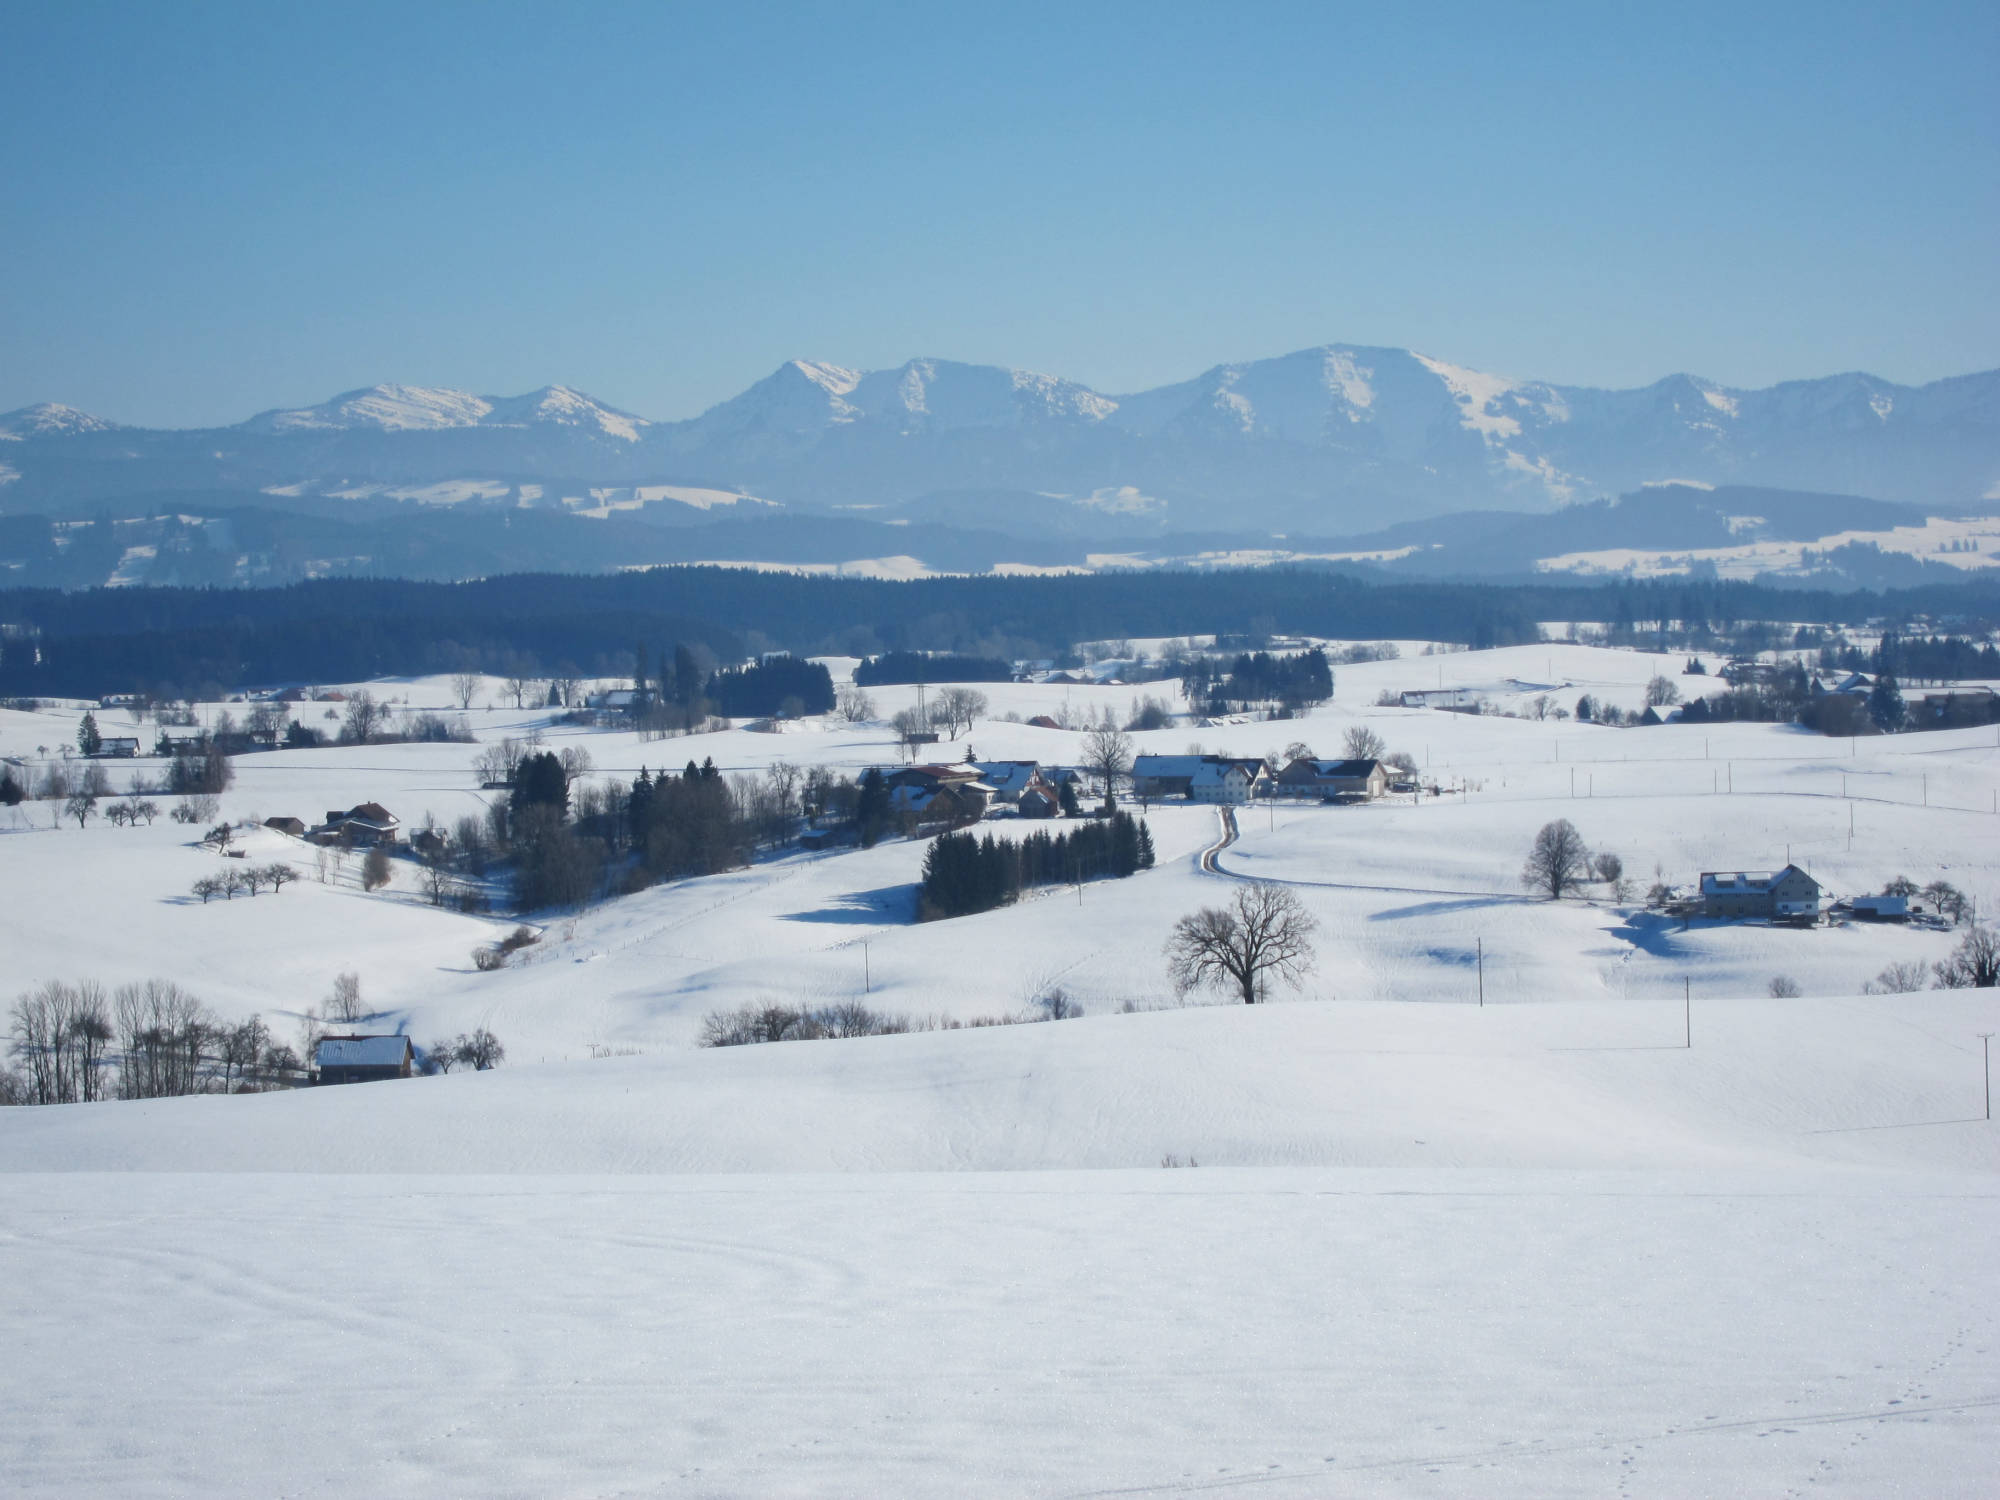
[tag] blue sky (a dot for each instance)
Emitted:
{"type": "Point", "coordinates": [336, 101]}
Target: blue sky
{"type": "Point", "coordinates": [214, 209]}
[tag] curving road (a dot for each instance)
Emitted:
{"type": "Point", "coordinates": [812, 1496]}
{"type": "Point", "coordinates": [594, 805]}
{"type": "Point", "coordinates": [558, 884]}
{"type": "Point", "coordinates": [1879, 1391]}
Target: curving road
{"type": "Point", "coordinates": [1225, 835]}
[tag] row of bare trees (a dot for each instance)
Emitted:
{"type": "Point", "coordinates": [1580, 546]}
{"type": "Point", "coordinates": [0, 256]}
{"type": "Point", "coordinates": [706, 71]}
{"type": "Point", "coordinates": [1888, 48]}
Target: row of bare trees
{"type": "Point", "coordinates": [78, 1043]}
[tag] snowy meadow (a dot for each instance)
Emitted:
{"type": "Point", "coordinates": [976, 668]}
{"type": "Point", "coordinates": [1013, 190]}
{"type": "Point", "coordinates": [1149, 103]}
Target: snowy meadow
{"type": "Point", "coordinates": [1507, 1196]}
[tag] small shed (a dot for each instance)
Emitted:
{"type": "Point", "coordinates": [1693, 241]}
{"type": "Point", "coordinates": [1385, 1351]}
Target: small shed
{"type": "Point", "coordinates": [294, 826]}
{"type": "Point", "coordinates": [362, 1059]}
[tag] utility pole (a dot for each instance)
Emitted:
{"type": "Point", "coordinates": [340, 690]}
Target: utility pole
{"type": "Point", "coordinates": [1482, 972]}
{"type": "Point", "coordinates": [1986, 1063]}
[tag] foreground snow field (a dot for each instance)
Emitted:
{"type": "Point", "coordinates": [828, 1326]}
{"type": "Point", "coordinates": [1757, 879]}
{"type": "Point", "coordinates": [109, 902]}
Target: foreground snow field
{"type": "Point", "coordinates": [1296, 1333]}
{"type": "Point", "coordinates": [1533, 1248]}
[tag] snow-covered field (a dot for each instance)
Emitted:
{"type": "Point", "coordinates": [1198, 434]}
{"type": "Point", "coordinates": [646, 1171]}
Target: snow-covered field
{"type": "Point", "coordinates": [1536, 1247]}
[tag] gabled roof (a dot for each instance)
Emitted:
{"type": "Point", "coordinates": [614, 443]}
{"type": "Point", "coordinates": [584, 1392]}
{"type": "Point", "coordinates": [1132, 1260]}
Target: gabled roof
{"type": "Point", "coordinates": [1007, 775]}
{"type": "Point", "coordinates": [1745, 882]}
{"type": "Point", "coordinates": [1174, 767]}
{"type": "Point", "coordinates": [1338, 770]}
{"type": "Point", "coordinates": [362, 1051]}
{"type": "Point", "coordinates": [371, 812]}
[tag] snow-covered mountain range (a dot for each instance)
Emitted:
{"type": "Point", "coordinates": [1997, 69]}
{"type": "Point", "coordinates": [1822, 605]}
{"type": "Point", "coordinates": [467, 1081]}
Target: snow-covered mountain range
{"type": "Point", "coordinates": [1335, 439]}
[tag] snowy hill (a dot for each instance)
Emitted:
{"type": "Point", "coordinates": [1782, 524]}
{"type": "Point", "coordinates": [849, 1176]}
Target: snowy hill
{"type": "Point", "coordinates": [1630, 1226]}
{"type": "Point", "coordinates": [409, 408]}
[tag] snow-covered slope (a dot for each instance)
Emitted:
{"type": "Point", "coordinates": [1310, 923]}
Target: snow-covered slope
{"type": "Point", "coordinates": [1413, 1244]}
{"type": "Point", "coordinates": [409, 408]}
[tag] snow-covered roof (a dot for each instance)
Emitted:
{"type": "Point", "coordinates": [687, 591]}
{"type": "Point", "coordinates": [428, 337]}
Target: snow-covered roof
{"type": "Point", "coordinates": [1744, 882]}
{"type": "Point", "coordinates": [1007, 775]}
{"type": "Point", "coordinates": [362, 1051]}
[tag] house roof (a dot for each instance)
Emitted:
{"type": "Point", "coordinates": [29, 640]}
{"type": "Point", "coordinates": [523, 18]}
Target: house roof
{"type": "Point", "coordinates": [1215, 772]}
{"type": "Point", "coordinates": [362, 1051]}
{"type": "Point", "coordinates": [1174, 767]}
{"type": "Point", "coordinates": [372, 812]}
{"type": "Point", "coordinates": [1007, 775]}
{"type": "Point", "coordinates": [1337, 770]}
{"type": "Point", "coordinates": [1746, 882]}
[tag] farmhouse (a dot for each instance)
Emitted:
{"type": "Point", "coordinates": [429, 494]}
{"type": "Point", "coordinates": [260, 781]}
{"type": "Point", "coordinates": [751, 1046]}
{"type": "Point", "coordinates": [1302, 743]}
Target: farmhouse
{"type": "Point", "coordinates": [1040, 800]}
{"type": "Point", "coordinates": [1008, 778]}
{"type": "Point", "coordinates": [953, 794]}
{"type": "Point", "coordinates": [363, 826]}
{"type": "Point", "coordinates": [120, 747]}
{"type": "Point", "coordinates": [1441, 698]}
{"type": "Point", "coordinates": [1362, 779]}
{"type": "Point", "coordinates": [1789, 892]}
{"type": "Point", "coordinates": [362, 1059]}
{"type": "Point", "coordinates": [1220, 779]}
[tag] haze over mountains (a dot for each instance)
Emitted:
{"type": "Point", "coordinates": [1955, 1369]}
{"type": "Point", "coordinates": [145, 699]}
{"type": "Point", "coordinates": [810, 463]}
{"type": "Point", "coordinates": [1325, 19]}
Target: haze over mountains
{"type": "Point", "coordinates": [1335, 441]}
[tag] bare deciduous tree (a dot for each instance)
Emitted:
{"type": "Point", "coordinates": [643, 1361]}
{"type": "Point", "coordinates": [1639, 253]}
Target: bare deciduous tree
{"type": "Point", "coordinates": [955, 709]}
{"type": "Point", "coordinates": [1108, 752]}
{"type": "Point", "coordinates": [1974, 964]}
{"type": "Point", "coordinates": [853, 704]}
{"type": "Point", "coordinates": [480, 1051]}
{"type": "Point", "coordinates": [1363, 743]}
{"type": "Point", "coordinates": [364, 718]}
{"type": "Point", "coordinates": [164, 1034]}
{"type": "Point", "coordinates": [343, 1002]}
{"type": "Point", "coordinates": [518, 687]}
{"type": "Point", "coordinates": [1264, 933]}
{"type": "Point", "coordinates": [375, 869]}
{"type": "Point", "coordinates": [1557, 860]}
{"type": "Point", "coordinates": [465, 688]}
{"type": "Point", "coordinates": [1898, 979]}
{"type": "Point", "coordinates": [1662, 692]}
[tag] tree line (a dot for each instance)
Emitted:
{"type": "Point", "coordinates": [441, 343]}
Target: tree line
{"type": "Point", "coordinates": [930, 667]}
{"type": "Point", "coordinates": [184, 640]}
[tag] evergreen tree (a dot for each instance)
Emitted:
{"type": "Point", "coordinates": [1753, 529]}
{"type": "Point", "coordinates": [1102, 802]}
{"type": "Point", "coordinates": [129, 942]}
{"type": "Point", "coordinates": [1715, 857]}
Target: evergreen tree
{"type": "Point", "coordinates": [540, 782]}
{"type": "Point", "coordinates": [1885, 704]}
{"type": "Point", "coordinates": [88, 740]}
{"type": "Point", "coordinates": [871, 807]}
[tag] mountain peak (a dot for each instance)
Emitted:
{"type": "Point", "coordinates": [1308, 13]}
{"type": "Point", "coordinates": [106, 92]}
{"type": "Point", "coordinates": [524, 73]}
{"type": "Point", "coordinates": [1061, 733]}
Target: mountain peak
{"type": "Point", "coordinates": [50, 419]}
{"type": "Point", "coordinates": [384, 408]}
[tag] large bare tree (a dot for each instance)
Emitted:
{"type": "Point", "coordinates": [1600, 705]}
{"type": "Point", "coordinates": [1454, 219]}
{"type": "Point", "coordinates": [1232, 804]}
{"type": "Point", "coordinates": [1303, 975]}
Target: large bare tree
{"type": "Point", "coordinates": [954, 709]}
{"type": "Point", "coordinates": [1557, 860]}
{"type": "Point", "coordinates": [1363, 743]}
{"type": "Point", "coordinates": [1265, 933]}
{"type": "Point", "coordinates": [1108, 752]}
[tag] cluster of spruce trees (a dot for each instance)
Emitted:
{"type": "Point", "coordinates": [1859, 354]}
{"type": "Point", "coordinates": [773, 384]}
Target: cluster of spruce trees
{"type": "Point", "coordinates": [1294, 682]}
{"type": "Point", "coordinates": [788, 685]}
{"type": "Point", "coordinates": [964, 873]}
